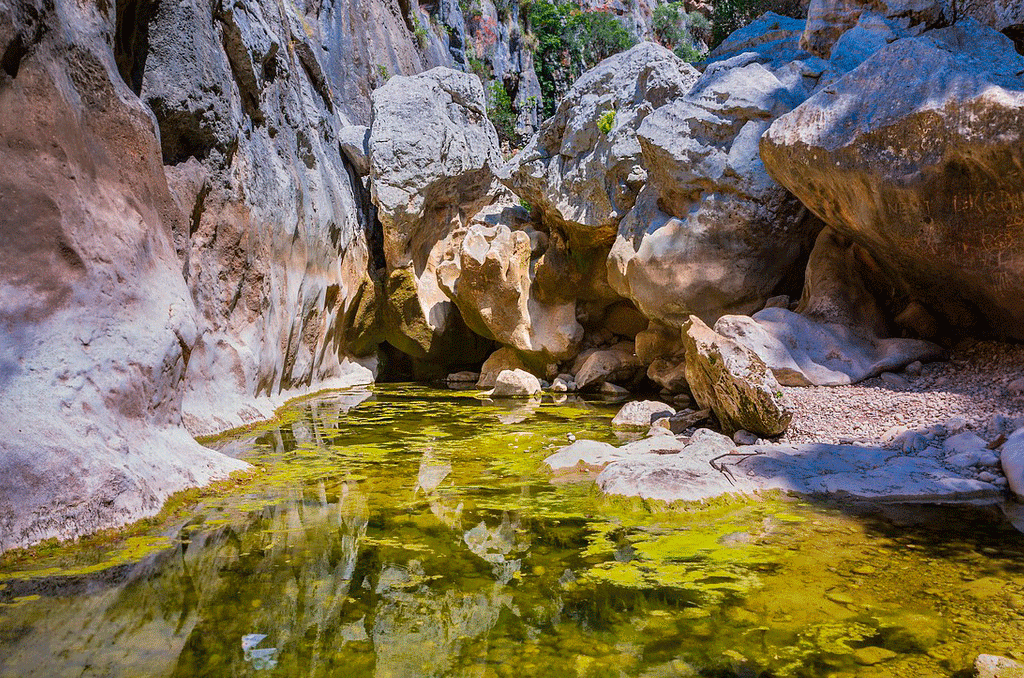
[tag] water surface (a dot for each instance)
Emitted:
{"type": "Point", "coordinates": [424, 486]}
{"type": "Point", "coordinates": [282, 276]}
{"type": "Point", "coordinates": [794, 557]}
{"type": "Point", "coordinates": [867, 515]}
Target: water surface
{"type": "Point", "coordinates": [412, 532]}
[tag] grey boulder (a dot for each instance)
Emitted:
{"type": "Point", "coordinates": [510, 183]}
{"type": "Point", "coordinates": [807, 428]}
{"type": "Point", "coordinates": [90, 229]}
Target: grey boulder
{"type": "Point", "coordinates": [734, 382]}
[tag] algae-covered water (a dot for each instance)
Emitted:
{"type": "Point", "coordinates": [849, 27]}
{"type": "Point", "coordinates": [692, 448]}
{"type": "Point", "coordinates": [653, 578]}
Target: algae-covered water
{"type": "Point", "coordinates": [413, 532]}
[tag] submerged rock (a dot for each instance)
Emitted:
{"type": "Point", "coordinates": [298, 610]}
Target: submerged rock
{"type": "Point", "coordinates": [994, 666]}
{"type": "Point", "coordinates": [735, 383]}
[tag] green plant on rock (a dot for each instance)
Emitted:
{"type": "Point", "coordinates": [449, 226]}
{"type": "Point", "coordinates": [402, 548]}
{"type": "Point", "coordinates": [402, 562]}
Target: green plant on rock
{"type": "Point", "coordinates": [606, 122]}
{"type": "Point", "coordinates": [420, 31]}
{"type": "Point", "coordinates": [501, 112]}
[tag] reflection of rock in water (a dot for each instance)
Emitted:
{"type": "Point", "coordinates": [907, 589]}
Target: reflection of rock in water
{"type": "Point", "coordinates": [417, 633]}
{"type": "Point", "coordinates": [497, 545]}
{"type": "Point", "coordinates": [516, 411]}
{"type": "Point", "coordinates": [432, 473]}
{"type": "Point", "coordinates": [282, 572]}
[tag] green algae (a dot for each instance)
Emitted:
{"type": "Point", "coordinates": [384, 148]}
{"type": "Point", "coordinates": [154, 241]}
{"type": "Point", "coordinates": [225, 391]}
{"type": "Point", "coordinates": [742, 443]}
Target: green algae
{"type": "Point", "coordinates": [418, 535]}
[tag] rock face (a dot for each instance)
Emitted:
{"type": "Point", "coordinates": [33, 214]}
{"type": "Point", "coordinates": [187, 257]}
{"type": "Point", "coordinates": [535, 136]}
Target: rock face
{"type": "Point", "coordinates": [732, 381]}
{"type": "Point", "coordinates": [712, 233]}
{"type": "Point", "coordinates": [190, 234]}
{"type": "Point", "coordinates": [828, 20]}
{"type": "Point", "coordinates": [488, 272]}
{"type": "Point", "coordinates": [581, 179]}
{"type": "Point", "coordinates": [96, 322]}
{"type": "Point", "coordinates": [274, 239]}
{"type": "Point", "coordinates": [426, 179]}
{"type": "Point", "coordinates": [922, 171]}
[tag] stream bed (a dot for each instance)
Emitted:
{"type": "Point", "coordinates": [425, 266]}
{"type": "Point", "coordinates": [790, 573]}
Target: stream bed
{"type": "Point", "coordinates": [405, 532]}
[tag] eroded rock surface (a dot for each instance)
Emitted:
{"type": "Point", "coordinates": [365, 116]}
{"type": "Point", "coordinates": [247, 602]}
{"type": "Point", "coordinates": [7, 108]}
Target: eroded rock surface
{"type": "Point", "coordinates": [734, 382]}
{"type": "Point", "coordinates": [488, 271]}
{"type": "Point", "coordinates": [711, 233]}
{"type": "Point", "coordinates": [96, 321]}
{"type": "Point", "coordinates": [427, 178]}
{"type": "Point", "coordinates": [922, 171]}
{"type": "Point", "coordinates": [582, 179]}
{"type": "Point", "coordinates": [803, 352]}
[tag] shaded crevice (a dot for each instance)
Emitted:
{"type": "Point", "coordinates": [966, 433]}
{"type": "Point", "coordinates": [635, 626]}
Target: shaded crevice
{"type": "Point", "coordinates": [366, 213]}
{"type": "Point", "coordinates": [197, 209]}
{"type": "Point", "coordinates": [315, 74]}
{"type": "Point", "coordinates": [131, 40]}
{"type": "Point", "coordinates": [13, 55]}
{"type": "Point", "coordinates": [241, 66]}
{"type": "Point", "coordinates": [1015, 33]}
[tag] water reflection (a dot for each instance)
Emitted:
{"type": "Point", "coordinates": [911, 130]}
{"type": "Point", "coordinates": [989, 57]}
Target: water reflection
{"type": "Point", "coordinates": [413, 535]}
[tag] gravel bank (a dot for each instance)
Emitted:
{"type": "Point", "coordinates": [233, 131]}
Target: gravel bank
{"type": "Point", "coordinates": [980, 382]}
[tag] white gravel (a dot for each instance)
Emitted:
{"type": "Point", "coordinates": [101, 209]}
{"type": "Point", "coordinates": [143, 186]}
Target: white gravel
{"type": "Point", "coordinates": [974, 384]}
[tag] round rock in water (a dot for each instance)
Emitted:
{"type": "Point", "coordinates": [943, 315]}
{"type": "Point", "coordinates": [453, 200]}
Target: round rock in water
{"type": "Point", "coordinates": [640, 414]}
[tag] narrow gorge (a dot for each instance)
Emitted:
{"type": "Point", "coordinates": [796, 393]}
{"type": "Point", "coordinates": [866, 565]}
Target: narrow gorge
{"type": "Point", "coordinates": [619, 309]}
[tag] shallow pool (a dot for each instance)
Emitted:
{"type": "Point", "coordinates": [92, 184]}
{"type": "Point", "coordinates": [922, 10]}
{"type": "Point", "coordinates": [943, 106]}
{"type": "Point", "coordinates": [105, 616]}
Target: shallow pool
{"type": "Point", "coordinates": [413, 532]}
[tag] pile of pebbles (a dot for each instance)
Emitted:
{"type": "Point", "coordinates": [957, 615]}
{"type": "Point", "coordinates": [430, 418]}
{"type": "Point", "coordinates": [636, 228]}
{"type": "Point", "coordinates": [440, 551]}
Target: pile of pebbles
{"type": "Point", "coordinates": [980, 389]}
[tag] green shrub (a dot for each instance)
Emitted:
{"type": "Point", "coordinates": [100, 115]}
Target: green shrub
{"type": "Point", "coordinates": [731, 15]}
{"type": "Point", "coordinates": [420, 31]}
{"type": "Point", "coordinates": [501, 112]}
{"type": "Point", "coordinates": [570, 41]}
{"type": "Point", "coordinates": [606, 122]}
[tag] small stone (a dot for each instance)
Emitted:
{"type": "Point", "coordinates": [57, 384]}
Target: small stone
{"type": "Point", "coordinates": [910, 442]}
{"type": "Point", "coordinates": [742, 437]}
{"type": "Point", "coordinates": [1016, 387]}
{"type": "Point", "coordinates": [914, 368]}
{"type": "Point", "coordinates": [462, 377]}
{"type": "Point", "coordinates": [780, 301]}
{"type": "Point", "coordinates": [895, 381]}
{"type": "Point", "coordinates": [994, 666]}
{"type": "Point", "coordinates": [871, 655]}
{"type": "Point", "coordinates": [515, 384]}
{"type": "Point", "coordinates": [955, 425]}
{"type": "Point", "coordinates": [608, 388]}
{"type": "Point", "coordinates": [559, 385]}
{"type": "Point", "coordinates": [986, 477]}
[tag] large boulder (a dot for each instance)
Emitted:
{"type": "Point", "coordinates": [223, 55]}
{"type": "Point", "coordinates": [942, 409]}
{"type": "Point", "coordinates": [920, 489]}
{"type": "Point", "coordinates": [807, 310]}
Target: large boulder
{"type": "Point", "coordinates": [427, 179]}
{"type": "Point", "coordinates": [583, 179]}
{"type": "Point", "coordinates": [515, 384]}
{"type": "Point", "coordinates": [488, 271]}
{"type": "Point", "coordinates": [1012, 460]}
{"type": "Point", "coordinates": [617, 364]}
{"type": "Point", "coordinates": [923, 171]}
{"type": "Point", "coordinates": [829, 20]}
{"type": "Point", "coordinates": [640, 414]}
{"type": "Point", "coordinates": [804, 352]}
{"type": "Point", "coordinates": [731, 380]}
{"type": "Point", "coordinates": [712, 233]}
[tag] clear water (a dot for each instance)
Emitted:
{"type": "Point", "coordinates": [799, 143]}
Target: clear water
{"type": "Point", "coordinates": [416, 534]}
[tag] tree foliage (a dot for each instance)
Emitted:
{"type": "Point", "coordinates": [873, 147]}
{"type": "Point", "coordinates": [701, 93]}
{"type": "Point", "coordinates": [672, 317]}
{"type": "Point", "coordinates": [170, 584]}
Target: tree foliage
{"type": "Point", "coordinates": [570, 41]}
